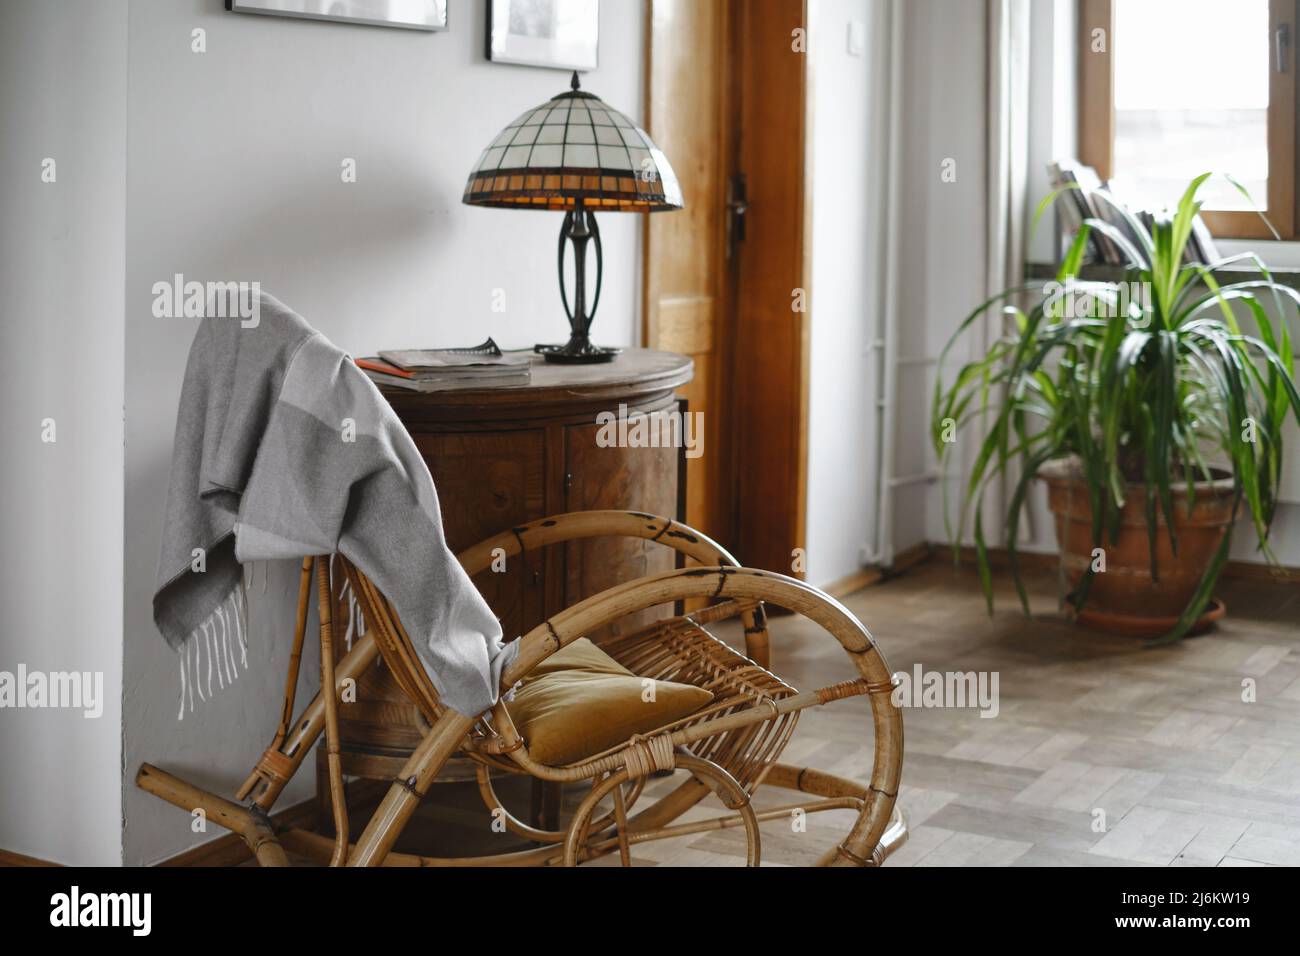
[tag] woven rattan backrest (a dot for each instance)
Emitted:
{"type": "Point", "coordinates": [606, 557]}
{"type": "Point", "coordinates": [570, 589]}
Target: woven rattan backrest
{"type": "Point", "coordinates": [393, 642]}
{"type": "Point", "coordinates": [395, 645]}
{"type": "Point", "coordinates": [680, 649]}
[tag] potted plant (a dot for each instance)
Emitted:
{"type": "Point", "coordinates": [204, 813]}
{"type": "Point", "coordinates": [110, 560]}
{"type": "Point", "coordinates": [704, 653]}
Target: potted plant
{"type": "Point", "coordinates": [1153, 417]}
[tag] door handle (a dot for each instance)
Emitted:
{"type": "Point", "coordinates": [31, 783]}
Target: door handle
{"type": "Point", "coordinates": [1281, 45]}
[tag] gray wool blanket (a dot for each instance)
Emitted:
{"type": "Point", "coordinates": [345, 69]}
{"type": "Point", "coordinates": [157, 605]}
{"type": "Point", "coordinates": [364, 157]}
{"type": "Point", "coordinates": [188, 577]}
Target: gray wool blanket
{"type": "Point", "coordinates": [285, 449]}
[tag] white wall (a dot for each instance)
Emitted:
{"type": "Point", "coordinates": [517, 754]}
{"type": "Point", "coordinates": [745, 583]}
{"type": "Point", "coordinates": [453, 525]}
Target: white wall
{"type": "Point", "coordinates": [62, 96]}
{"type": "Point", "coordinates": [848, 115]}
{"type": "Point", "coordinates": [234, 173]}
{"type": "Point", "coordinates": [940, 248]}
{"type": "Point", "coordinates": [943, 231]}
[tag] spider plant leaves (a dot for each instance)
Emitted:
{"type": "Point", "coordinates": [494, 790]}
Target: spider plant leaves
{"type": "Point", "coordinates": [1073, 259]}
{"type": "Point", "coordinates": [1028, 472]}
{"type": "Point", "coordinates": [982, 561]}
{"type": "Point", "coordinates": [1184, 216]}
{"type": "Point", "coordinates": [1164, 428]}
{"type": "Point", "coordinates": [1114, 235]}
{"type": "Point", "coordinates": [1079, 596]}
{"type": "Point", "coordinates": [943, 409]}
{"type": "Point", "coordinates": [1254, 206]}
{"type": "Point", "coordinates": [1150, 390]}
{"type": "Point", "coordinates": [1204, 589]}
{"type": "Point", "coordinates": [1047, 201]}
{"type": "Point", "coordinates": [1121, 352]}
{"type": "Point", "coordinates": [1130, 220]}
{"type": "Point", "coordinates": [1223, 296]}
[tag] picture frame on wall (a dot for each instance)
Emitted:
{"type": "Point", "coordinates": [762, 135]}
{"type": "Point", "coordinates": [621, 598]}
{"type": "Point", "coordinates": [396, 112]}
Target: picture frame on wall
{"type": "Point", "coordinates": [555, 34]}
{"type": "Point", "coordinates": [428, 15]}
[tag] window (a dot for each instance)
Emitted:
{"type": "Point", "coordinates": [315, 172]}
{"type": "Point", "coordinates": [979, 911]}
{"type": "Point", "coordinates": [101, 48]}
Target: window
{"type": "Point", "coordinates": [1169, 89]}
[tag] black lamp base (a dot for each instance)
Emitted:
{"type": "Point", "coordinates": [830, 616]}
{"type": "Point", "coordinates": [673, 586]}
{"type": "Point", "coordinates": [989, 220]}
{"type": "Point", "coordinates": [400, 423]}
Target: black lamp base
{"type": "Point", "coordinates": [579, 227]}
{"type": "Point", "coordinates": [577, 351]}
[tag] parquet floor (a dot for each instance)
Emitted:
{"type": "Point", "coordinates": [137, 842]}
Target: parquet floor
{"type": "Point", "coordinates": [1102, 753]}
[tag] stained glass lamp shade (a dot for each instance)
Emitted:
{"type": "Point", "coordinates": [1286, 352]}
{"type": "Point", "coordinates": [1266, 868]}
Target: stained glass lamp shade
{"type": "Point", "coordinates": [578, 155]}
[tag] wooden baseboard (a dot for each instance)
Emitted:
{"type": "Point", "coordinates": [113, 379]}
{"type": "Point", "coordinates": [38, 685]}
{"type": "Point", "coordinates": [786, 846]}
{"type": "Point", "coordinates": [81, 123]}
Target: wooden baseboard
{"type": "Point", "coordinates": [1030, 561]}
{"type": "Point", "coordinates": [230, 850]}
{"type": "Point", "coordinates": [9, 858]}
{"type": "Point", "coordinates": [1249, 571]}
{"type": "Point", "coordinates": [865, 577]}
{"type": "Point", "coordinates": [1000, 560]}
{"type": "Point", "coordinates": [911, 557]}
{"type": "Point", "coordinates": [862, 578]}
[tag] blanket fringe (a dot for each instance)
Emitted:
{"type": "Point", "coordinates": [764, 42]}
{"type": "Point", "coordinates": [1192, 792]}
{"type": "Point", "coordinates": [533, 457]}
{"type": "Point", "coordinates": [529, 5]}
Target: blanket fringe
{"type": "Point", "coordinates": [356, 628]}
{"type": "Point", "coordinates": [225, 650]}
{"type": "Point", "coordinates": [207, 648]}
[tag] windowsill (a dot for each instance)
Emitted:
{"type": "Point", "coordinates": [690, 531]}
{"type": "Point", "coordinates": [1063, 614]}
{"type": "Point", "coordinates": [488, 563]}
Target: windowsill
{"type": "Point", "coordinates": [1278, 256]}
{"type": "Point", "coordinates": [1282, 259]}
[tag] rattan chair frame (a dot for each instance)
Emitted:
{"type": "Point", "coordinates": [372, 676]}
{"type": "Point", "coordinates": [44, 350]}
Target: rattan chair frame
{"type": "Point", "coordinates": [731, 747]}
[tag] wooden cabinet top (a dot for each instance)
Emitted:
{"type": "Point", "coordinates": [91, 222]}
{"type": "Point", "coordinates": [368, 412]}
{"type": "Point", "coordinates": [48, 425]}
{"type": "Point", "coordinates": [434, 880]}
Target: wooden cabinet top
{"type": "Point", "coordinates": [634, 376]}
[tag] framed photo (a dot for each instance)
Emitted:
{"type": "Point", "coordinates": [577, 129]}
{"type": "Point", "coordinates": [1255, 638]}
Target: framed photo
{"type": "Point", "coordinates": [407, 14]}
{"type": "Point", "coordinates": [559, 34]}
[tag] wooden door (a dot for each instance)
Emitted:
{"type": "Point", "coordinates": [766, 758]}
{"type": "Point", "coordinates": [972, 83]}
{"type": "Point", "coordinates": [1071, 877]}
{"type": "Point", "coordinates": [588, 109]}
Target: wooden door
{"type": "Point", "coordinates": [685, 258]}
{"type": "Point", "coordinates": [772, 295]}
{"type": "Point", "coordinates": [726, 95]}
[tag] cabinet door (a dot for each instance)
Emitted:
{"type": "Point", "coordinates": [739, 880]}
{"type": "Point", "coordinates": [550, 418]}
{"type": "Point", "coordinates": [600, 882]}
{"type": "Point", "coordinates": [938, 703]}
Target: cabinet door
{"type": "Point", "coordinates": [625, 479]}
{"type": "Point", "coordinates": [489, 482]}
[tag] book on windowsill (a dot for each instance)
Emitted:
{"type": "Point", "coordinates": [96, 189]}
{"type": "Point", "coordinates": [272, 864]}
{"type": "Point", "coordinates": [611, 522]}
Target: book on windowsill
{"type": "Point", "coordinates": [1082, 202]}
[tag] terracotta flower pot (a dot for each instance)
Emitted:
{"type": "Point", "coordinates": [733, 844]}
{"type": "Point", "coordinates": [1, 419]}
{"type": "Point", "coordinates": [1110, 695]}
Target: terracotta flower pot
{"type": "Point", "coordinates": [1125, 598]}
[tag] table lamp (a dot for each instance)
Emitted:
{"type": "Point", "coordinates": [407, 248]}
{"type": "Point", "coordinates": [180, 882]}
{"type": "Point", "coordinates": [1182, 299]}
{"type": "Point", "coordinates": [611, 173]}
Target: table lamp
{"type": "Point", "coordinates": [576, 154]}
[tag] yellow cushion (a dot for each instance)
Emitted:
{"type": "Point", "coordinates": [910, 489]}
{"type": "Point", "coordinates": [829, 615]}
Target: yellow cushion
{"type": "Point", "coordinates": [580, 701]}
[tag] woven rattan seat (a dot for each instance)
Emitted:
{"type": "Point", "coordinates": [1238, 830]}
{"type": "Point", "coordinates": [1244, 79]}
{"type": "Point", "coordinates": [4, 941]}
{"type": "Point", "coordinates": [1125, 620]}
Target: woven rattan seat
{"type": "Point", "coordinates": [580, 702]}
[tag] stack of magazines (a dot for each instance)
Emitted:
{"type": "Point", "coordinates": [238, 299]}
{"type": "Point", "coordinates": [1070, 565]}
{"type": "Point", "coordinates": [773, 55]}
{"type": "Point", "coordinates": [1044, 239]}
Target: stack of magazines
{"type": "Point", "coordinates": [1085, 197]}
{"type": "Point", "coordinates": [434, 370]}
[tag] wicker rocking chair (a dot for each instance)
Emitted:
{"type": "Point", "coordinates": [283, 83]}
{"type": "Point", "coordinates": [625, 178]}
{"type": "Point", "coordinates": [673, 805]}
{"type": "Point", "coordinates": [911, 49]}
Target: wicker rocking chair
{"type": "Point", "coordinates": [730, 745]}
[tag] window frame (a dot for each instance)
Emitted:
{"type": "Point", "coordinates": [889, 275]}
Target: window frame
{"type": "Point", "coordinates": [1096, 130]}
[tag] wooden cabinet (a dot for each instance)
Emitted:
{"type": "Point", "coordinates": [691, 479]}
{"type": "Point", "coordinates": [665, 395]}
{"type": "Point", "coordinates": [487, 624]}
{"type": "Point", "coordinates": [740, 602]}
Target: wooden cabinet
{"type": "Point", "coordinates": [487, 482]}
{"type": "Point", "coordinates": [505, 456]}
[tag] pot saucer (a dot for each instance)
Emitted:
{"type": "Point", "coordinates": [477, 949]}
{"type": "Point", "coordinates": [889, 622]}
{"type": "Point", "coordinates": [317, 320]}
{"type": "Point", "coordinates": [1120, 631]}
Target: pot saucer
{"type": "Point", "coordinates": [1133, 625]}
